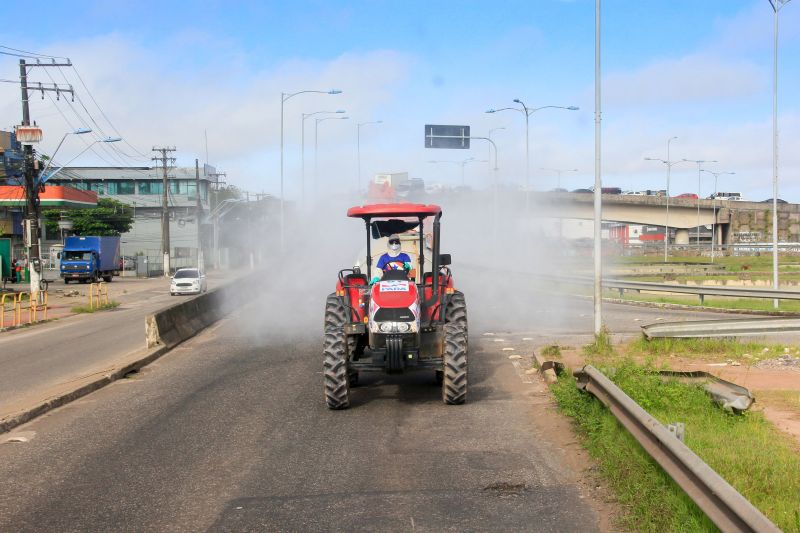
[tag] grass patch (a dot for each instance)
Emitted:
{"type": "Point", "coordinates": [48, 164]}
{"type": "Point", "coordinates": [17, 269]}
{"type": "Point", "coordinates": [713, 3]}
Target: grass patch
{"type": "Point", "coordinates": [601, 345]}
{"type": "Point", "coordinates": [731, 264]}
{"type": "Point", "coordinates": [103, 307]}
{"type": "Point", "coordinates": [729, 348]}
{"type": "Point", "coordinates": [718, 302]}
{"type": "Point", "coordinates": [746, 450]}
{"type": "Point", "coordinates": [553, 350]}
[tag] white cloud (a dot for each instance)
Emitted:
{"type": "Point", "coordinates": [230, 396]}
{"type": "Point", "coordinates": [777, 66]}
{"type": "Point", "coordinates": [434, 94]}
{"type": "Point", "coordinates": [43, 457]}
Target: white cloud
{"type": "Point", "coordinates": [694, 79]}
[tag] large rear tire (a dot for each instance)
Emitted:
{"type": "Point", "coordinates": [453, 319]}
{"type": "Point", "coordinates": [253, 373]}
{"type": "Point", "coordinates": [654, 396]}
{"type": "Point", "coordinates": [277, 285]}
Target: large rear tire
{"type": "Point", "coordinates": [454, 359]}
{"type": "Point", "coordinates": [456, 312]}
{"type": "Point", "coordinates": [337, 380]}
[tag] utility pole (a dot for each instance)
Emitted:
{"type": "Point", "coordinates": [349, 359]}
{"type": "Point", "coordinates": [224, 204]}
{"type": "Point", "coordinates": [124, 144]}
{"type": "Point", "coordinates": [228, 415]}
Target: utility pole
{"type": "Point", "coordinates": [199, 216]}
{"type": "Point", "coordinates": [32, 185]}
{"type": "Point", "coordinates": [164, 159]}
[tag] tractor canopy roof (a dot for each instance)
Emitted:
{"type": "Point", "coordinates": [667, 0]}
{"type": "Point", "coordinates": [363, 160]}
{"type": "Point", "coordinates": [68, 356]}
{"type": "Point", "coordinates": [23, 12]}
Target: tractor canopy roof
{"type": "Point", "coordinates": [394, 210]}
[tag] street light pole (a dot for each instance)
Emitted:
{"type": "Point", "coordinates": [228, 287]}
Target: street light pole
{"type": "Point", "coordinates": [284, 97]}
{"type": "Point", "coordinates": [598, 183]}
{"type": "Point", "coordinates": [714, 209]}
{"type": "Point", "coordinates": [316, 146]}
{"type": "Point", "coordinates": [358, 149]}
{"type": "Point", "coordinates": [669, 165]}
{"type": "Point", "coordinates": [776, 7]}
{"type": "Point", "coordinates": [528, 111]}
{"type": "Point", "coordinates": [303, 149]}
{"type": "Point", "coordinates": [699, 170]}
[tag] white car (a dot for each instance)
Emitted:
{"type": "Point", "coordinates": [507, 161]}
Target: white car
{"type": "Point", "coordinates": [188, 281]}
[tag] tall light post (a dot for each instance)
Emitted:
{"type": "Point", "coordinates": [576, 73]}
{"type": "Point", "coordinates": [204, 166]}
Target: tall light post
{"type": "Point", "coordinates": [303, 149]}
{"type": "Point", "coordinates": [79, 131]}
{"type": "Point", "coordinates": [699, 170]}
{"type": "Point", "coordinates": [284, 97]}
{"type": "Point", "coordinates": [528, 111]}
{"type": "Point", "coordinates": [669, 165]}
{"type": "Point", "coordinates": [316, 146]}
{"type": "Point", "coordinates": [559, 172]}
{"type": "Point", "coordinates": [358, 148]}
{"type": "Point", "coordinates": [462, 164]}
{"type": "Point", "coordinates": [776, 7]}
{"type": "Point", "coordinates": [44, 178]}
{"type": "Point", "coordinates": [489, 135]}
{"type": "Point", "coordinates": [598, 182]}
{"type": "Point", "coordinates": [714, 208]}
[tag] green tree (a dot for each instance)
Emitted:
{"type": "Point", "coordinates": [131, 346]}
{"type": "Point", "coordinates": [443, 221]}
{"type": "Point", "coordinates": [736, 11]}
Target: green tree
{"type": "Point", "coordinates": [109, 218]}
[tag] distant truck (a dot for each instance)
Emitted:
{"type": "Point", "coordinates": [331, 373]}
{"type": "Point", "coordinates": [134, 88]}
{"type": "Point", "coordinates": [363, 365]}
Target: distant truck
{"type": "Point", "coordinates": [384, 187]}
{"type": "Point", "coordinates": [89, 259]}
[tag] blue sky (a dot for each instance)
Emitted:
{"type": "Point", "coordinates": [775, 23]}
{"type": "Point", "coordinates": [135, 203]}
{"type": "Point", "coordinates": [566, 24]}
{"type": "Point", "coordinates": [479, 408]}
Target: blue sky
{"type": "Point", "coordinates": [164, 73]}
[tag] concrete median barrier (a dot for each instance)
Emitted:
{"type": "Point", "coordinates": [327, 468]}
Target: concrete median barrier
{"type": "Point", "coordinates": [173, 325]}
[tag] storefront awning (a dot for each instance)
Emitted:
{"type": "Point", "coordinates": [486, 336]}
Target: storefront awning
{"type": "Point", "coordinates": [53, 196]}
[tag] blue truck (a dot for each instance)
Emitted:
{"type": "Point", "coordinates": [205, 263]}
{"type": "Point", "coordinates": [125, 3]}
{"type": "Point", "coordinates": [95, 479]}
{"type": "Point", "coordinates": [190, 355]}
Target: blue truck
{"type": "Point", "coordinates": [89, 259]}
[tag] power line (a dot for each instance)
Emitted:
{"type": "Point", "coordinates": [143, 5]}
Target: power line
{"type": "Point", "coordinates": [30, 54]}
{"type": "Point", "coordinates": [74, 69]}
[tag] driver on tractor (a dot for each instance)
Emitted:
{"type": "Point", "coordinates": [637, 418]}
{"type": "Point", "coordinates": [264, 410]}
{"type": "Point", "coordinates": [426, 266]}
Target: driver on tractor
{"type": "Point", "coordinates": [394, 259]}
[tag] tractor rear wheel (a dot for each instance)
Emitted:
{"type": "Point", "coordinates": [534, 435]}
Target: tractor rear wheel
{"type": "Point", "coordinates": [456, 312]}
{"type": "Point", "coordinates": [337, 380]}
{"type": "Point", "coordinates": [454, 360]}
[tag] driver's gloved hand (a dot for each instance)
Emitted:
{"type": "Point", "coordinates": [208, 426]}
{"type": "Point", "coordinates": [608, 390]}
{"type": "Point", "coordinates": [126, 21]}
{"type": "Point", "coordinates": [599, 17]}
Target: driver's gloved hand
{"type": "Point", "coordinates": [374, 280]}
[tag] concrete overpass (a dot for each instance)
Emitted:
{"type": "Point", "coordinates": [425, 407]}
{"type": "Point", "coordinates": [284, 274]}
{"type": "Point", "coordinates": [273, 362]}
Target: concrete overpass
{"type": "Point", "coordinates": [736, 221]}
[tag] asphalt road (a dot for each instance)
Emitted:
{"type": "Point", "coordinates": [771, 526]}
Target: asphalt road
{"type": "Point", "coordinates": [229, 432]}
{"type": "Point", "coordinates": [35, 361]}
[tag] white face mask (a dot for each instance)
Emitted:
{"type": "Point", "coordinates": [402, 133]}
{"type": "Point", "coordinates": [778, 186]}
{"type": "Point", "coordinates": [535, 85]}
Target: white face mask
{"type": "Point", "coordinates": [394, 248]}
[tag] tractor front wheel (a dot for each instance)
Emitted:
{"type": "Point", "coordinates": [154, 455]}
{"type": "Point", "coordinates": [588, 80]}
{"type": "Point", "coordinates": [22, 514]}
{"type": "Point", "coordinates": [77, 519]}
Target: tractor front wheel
{"type": "Point", "coordinates": [337, 380]}
{"type": "Point", "coordinates": [454, 359]}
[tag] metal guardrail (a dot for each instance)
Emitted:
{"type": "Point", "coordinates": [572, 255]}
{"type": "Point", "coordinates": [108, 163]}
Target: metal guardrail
{"type": "Point", "coordinates": [722, 328]}
{"type": "Point", "coordinates": [735, 292]}
{"type": "Point", "coordinates": [728, 509]}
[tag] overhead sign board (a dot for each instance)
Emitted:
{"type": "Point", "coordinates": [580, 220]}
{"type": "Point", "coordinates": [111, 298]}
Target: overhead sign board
{"type": "Point", "coordinates": [440, 136]}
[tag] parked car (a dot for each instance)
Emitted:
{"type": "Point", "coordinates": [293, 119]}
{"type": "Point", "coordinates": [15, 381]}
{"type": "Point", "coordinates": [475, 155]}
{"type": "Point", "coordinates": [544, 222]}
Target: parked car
{"type": "Point", "coordinates": [583, 191]}
{"type": "Point", "coordinates": [769, 201]}
{"type": "Point", "coordinates": [690, 195]}
{"type": "Point", "coordinates": [188, 281]}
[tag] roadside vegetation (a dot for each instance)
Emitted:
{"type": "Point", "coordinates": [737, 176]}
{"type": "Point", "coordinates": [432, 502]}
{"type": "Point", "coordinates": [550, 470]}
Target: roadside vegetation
{"type": "Point", "coordinates": [601, 345]}
{"type": "Point", "coordinates": [102, 307]}
{"type": "Point", "coordinates": [552, 351]}
{"type": "Point", "coordinates": [751, 304]}
{"type": "Point", "coordinates": [751, 263]}
{"type": "Point", "coordinates": [747, 450]}
{"type": "Point", "coordinates": [704, 348]}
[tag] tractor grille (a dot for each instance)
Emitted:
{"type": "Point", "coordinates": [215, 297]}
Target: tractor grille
{"type": "Point", "coordinates": [397, 314]}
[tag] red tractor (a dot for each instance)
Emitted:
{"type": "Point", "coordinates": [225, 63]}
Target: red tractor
{"type": "Point", "coordinates": [407, 320]}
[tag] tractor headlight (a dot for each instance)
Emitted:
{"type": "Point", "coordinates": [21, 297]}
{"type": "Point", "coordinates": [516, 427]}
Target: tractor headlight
{"type": "Point", "coordinates": [394, 327]}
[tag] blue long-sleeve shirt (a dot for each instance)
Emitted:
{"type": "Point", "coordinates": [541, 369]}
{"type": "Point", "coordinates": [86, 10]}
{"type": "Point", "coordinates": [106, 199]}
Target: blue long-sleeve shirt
{"type": "Point", "coordinates": [387, 262]}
